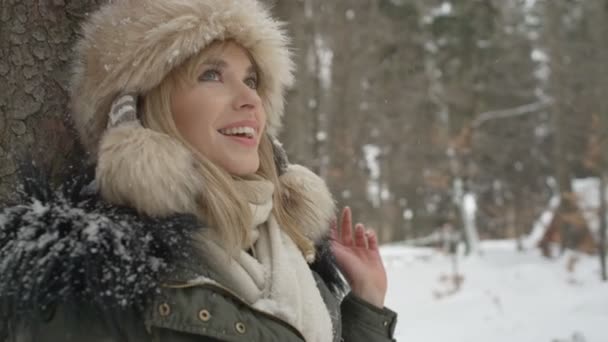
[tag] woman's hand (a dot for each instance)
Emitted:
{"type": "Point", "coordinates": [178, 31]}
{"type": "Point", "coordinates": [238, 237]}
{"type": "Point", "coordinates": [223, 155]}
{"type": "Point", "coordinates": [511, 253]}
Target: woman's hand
{"type": "Point", "coordinates": [359, 259]}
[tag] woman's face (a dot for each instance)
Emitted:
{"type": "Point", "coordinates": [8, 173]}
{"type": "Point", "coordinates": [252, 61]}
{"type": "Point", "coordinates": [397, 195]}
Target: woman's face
{"type": "Point", "coordinates": [221, 114]}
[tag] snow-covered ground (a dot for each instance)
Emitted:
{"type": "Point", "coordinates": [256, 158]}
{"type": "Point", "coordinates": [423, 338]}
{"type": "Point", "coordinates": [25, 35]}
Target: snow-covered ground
{"type": "Point", "coordinates": [505, 296]}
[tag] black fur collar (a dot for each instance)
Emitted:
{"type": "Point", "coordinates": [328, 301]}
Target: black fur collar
{"type": "Point", "coordinates": [67, 244]}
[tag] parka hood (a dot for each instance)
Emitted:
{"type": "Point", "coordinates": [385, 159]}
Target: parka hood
{"type": "Point", "coordinates": [67, 244]}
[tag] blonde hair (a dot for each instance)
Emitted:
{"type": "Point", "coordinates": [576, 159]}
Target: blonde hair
{"type": "Point", "coordinates": [223, 207]}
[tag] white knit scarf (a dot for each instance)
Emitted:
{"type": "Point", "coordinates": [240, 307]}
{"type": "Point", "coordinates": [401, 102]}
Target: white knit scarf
{"type": "Point", "coordinates": [276, 279]}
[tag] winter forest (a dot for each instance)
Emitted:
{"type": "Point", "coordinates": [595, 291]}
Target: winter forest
{"type": "Point", "coordinates": [471, 134]}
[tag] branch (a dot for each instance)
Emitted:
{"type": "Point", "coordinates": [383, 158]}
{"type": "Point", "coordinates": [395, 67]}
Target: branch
{"type": "Point", "coordinates": [511, 112]}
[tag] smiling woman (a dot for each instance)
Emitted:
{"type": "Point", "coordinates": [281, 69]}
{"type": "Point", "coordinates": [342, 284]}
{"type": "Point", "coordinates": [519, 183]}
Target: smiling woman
{"type": "Point", "coordinates": [217, 108]}
{"type": "Point", "coordinates": [194, 226]}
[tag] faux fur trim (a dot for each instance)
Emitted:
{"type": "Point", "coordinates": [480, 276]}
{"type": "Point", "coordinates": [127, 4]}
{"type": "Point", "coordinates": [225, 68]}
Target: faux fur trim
{"type": "Point", "coordinates": [313, 189]}
{"type": "Point", "coordinates": [147, 170]}
{"type": "Point", "coordinates": [69, 246]}
{"type": "Point", "coordinates": [129, 46]}
{"type": "Point", "coordinates": [156, 175]}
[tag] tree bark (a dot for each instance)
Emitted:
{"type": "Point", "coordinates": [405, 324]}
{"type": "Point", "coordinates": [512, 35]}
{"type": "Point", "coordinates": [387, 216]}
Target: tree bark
{"type": "Point", "coordinates": [36, 41]}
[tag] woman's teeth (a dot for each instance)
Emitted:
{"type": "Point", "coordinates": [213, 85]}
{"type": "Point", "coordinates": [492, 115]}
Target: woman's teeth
{"type": "Point", "coordinates": [249, 132]}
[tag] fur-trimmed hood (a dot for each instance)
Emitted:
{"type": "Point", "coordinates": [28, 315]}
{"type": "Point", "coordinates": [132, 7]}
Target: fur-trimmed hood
{"type": "Point", "coordinates": [68, 245]}
{"type": "Point", "coordinates": [129, 46]}
{"type": "Point", "coordinates": [159, 176]}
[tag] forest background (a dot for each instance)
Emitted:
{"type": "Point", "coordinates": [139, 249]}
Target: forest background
{"type": "Point", "coordinates": [420, 114]}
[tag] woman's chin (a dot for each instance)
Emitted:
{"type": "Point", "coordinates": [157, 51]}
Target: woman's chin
{"type": "Point", "coordinates": [242, 166]}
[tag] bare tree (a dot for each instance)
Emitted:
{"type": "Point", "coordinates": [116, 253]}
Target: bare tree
{"type": "Point", "coordinates": [598, 26]}
{"type": "Point", "coordinates": [304, 135]}
{"type": "Point", "coordinates": [574, 66]}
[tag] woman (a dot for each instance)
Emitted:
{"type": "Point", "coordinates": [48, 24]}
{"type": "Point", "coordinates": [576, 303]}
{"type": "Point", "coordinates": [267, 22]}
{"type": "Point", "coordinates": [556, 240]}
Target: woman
{"type": "Point", "coordinates": [194, 227]}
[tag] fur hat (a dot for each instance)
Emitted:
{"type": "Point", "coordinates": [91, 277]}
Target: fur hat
{"type": "Point", "coordinates": [129, 46]}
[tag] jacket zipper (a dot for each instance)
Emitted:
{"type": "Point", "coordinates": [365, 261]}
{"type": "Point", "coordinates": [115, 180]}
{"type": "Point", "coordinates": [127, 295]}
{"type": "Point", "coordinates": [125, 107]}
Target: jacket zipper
{"type": "Point", "coordinates": [237, 297]}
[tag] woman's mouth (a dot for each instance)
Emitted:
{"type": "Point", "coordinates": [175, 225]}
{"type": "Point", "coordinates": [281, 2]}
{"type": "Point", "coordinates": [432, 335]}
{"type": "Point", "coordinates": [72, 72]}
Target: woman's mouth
{"type": "Point", "coordinates": [246, 132]}
{"type": "Point", "coordinates": [242, 135]}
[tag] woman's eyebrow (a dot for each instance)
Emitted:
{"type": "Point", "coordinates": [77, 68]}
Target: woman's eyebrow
{"type": "Point", "coordinates": [218, 63]}
{"type": "Point", "coordinates": [222, 64]}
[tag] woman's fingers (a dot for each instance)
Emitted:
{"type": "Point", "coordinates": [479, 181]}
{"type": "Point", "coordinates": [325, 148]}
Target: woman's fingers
{"type": "Point", "coordinates": [360, 238]}
{"type": "Point", "coordinates": [347, 227]}
{"type": "Point", "coordinates": [372, 239]}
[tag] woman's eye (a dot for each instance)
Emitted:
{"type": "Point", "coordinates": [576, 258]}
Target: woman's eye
{"type": "Point", "coordinates": [211, 75]}
{"type": "Point", "coordinates": [252, 82]}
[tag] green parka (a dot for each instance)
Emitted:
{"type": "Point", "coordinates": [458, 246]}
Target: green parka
{"type": "Point", "coordinates": [77, 269]}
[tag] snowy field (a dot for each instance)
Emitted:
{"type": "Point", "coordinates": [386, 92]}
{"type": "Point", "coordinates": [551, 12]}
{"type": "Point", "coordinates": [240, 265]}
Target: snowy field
{"type": "Point", "coordinates": [505, 296]}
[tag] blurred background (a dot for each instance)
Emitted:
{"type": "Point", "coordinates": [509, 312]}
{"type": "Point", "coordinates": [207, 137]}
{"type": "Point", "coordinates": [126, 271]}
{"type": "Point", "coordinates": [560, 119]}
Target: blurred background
{"type": "Point", "coordinates": [471, 134]}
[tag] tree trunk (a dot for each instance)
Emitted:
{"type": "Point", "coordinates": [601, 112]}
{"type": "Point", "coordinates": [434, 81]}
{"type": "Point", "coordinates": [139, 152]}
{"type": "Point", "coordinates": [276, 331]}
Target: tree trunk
{"type": "Point", "coordinates": [602, 96]}
{"type": "Point", "coordinates": [603, 224]}
{"type": "Point", "coordinates": [303, 130]}
{"type": "Point", "coordinates": [468, 212]}
{"type": "Point", "coordinates": [563, 173]}
{"type": "Point", "coordinates": [560, 121]}
{"type": "Point", "coordinates": [36, 40]}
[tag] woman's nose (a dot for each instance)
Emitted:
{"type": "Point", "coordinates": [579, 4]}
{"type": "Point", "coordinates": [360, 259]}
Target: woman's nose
{"type": "Point", "coordinates": [246, 97]}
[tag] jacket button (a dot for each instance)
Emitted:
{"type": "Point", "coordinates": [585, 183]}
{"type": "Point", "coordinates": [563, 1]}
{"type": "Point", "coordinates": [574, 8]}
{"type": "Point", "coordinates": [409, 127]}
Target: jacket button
{"type": "Point", "coordinates": [164, 309]}
{"type": "Point", "coordinates": [204, 315]}
{"type": "Point", "coordinates": [240, 327]}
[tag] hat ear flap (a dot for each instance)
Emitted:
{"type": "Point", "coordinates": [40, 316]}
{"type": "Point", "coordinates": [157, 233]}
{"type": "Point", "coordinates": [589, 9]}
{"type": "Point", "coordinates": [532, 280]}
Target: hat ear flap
{"type": "Point", "coordinates": [145, 169]}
